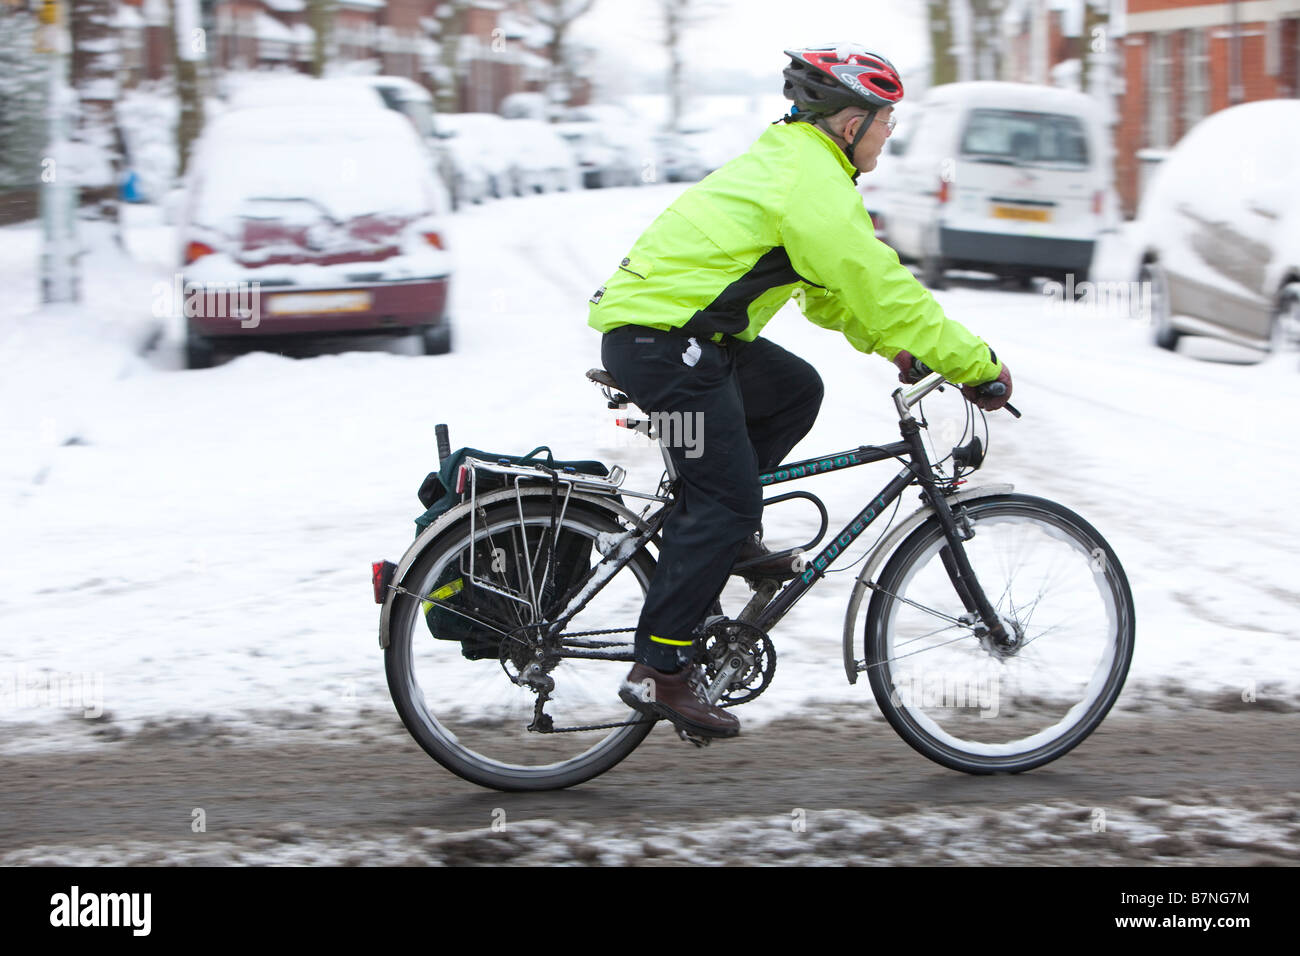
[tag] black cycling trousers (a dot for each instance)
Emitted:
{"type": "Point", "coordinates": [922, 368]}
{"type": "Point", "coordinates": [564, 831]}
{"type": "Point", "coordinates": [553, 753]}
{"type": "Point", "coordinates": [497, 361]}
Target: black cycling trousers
{"type": "Point", "coordinates": [727, 413]}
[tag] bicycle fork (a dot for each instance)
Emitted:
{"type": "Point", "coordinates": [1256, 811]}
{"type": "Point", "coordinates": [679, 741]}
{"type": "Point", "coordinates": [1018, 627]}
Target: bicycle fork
{"type": "Point", "coordinates": [980, 612]}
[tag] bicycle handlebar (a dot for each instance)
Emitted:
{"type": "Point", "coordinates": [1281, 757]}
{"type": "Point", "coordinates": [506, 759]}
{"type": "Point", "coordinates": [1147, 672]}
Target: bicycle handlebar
{"type": "Point", "coordinates": [921, 373]}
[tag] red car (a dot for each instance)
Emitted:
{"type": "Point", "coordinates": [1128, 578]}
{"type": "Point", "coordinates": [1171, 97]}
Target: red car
{"type": "Point", "coordinates": [311, 222]}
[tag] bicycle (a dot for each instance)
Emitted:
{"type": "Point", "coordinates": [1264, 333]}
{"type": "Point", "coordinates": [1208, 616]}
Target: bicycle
{"type": "Point", "coordinates": [517, 688]}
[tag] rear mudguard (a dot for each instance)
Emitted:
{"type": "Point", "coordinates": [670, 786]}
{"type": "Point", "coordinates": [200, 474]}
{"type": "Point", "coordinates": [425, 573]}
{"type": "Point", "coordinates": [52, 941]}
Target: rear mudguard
{"type": "Point", "coordinates": [461, 512]}
{"type": "Point", "coordinates": [883, 551]}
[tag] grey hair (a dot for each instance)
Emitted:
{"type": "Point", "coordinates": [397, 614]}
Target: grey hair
{"type": "Point", "coordinates": [839, 120]}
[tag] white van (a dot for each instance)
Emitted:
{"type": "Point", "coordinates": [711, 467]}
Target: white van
{"type": "Point", "coordinates": [1009, 178]}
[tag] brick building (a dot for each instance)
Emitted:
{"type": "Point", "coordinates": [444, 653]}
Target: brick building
{"type": "Point", "coordinates": [1185, 59]}
{"type": "Point", "coordinates": [497, 53]}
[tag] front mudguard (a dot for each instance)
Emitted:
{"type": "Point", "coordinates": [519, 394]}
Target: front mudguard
{"type": "Point", "coordinates": [883, 551]}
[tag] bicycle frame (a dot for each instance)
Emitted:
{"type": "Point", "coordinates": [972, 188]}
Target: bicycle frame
{"type": "Point", "coordinates": [918, 470]}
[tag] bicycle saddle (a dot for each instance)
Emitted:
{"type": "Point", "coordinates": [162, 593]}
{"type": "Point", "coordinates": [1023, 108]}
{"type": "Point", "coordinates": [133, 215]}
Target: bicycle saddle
{"type": "Point", "coordinates": [601, 377]}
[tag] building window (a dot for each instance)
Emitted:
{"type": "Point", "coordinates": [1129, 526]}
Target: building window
{"type": "Point", "coordinates": [1196, 77]}
{"type": "Point", "coordinates": [1158, 92]}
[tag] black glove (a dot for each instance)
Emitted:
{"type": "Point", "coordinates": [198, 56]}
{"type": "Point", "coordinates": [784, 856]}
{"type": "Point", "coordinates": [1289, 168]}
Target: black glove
{"type": "Point", "coordinates": [991, 395]}
{"type": "Point", "coordinates": [910, 368]}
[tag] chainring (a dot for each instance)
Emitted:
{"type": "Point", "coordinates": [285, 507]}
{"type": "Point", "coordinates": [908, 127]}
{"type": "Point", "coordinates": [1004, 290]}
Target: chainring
{"type": "Point", "coordinates": [726, 640]}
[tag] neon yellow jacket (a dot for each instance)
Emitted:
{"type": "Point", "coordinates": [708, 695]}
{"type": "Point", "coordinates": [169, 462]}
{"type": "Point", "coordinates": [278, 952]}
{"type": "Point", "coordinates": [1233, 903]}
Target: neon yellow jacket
{"type": "Point", "coordinates": [784, 219]}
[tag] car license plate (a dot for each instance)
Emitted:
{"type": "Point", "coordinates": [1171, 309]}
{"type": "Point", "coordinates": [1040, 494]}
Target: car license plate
{"type": "Point", "coordinates": [1022, 214]}
{"type": "Point", "coordinates": [317, 303]}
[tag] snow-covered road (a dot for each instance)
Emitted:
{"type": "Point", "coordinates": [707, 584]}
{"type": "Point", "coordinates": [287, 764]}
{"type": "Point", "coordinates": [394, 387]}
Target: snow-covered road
{"type": "Point", "coordinates": [197, 543]}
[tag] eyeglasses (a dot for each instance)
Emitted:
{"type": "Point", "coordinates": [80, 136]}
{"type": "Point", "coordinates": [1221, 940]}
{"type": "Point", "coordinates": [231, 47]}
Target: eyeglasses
{"type": "Point", "coordinates": [889, 123]}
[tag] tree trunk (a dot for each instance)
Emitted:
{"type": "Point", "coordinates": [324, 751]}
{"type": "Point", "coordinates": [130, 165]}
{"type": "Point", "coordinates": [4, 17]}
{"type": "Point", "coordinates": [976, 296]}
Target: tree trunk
{"type": "Point", "coordinates": [94, 79]}
{"type": "Point", "coordinates": [451, 26]}
{"type": "Point", "coordinates": [1094, 47]}
{"type": "Point", "coordinates": [320, 17]}
{"type": "Point", "coordinates": [189, 94]}
{"type": "Point", "coordinates": [673, 38]}
{"type": "Point", "coordinates": [943, 65]}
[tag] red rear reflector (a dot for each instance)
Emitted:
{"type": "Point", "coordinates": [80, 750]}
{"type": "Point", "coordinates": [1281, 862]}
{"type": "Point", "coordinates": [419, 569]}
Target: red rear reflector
{"type": "Point", "coordinates": [462, 476]}
{"type": "Point", "coordinates": [197, 250]}
{"type": "Point", "coordinates": [381, 576]}
{"type": "Point", "coordinates": [943, 191]}
{"type": "Point", "coordinates": [434, 239]}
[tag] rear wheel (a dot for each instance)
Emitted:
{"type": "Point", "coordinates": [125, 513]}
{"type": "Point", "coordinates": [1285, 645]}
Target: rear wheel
{"type": "Point", "coordinates": [436, 339]}
{"type": "Point", "coordinates": [200, 353]}
{"type": "Point", "coordinates": [460, 695]}
{"type": "Point", "coordinates": [969, 702]}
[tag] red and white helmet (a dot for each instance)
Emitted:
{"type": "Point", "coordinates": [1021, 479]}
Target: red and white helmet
{"type": "Point", "coordinates": [827, 79]}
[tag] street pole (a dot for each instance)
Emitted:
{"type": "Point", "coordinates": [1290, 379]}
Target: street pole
{"type": "Point", "coordinates": [60, 281]}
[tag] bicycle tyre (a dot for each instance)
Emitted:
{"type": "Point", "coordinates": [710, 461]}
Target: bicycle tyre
{"type": "Point", "coordinates": [1051, 545]}
{"type": "Point", "coordinates": [431, 683]}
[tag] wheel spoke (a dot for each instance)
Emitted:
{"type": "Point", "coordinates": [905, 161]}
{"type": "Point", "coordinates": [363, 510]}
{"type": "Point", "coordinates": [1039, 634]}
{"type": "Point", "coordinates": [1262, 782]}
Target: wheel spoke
{"type": "Point", "coordinates": [455, 690]}
{"type": "Point", "coordinates": [972, 705]}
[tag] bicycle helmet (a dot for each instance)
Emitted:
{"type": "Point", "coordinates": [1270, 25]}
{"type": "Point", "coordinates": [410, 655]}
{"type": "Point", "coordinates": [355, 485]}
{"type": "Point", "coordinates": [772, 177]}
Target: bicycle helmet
{"type": "Point", "coordinates": [823, 80]}
{"type": "Point", "coordinates": [826, 79]}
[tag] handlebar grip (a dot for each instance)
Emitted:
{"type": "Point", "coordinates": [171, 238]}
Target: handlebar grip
{"type": "Point", "coordinates": [918, 371]}
{"type": "Point", "coordinates": [444, 442]}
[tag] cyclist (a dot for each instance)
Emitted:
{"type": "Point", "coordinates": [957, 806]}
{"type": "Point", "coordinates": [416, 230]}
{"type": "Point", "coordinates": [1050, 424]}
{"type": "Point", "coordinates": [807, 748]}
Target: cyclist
{"type": "Point", "coordinates": [681, 319]}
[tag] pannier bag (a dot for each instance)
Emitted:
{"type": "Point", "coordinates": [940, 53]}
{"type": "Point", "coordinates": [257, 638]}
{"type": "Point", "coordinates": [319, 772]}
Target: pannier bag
{"type": "Point", "coordinates": [496, 561]}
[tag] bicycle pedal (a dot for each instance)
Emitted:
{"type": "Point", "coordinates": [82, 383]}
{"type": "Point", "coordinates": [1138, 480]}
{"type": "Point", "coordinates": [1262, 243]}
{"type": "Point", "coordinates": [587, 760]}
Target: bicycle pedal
{"type": "Point", "coordinates": [692, 738]}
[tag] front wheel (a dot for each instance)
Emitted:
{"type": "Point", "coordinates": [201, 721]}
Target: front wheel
{"type": "Point", "coordinates": [969, 701]}
{"type": "Point", "coordinates": [455, 656]}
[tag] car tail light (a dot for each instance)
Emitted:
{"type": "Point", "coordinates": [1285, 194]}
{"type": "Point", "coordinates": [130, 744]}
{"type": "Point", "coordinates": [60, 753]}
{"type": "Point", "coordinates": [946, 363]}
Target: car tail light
{"type": "Point", "coordinates": [434, 239]}
{"type": "Point", "coordinates": [1097, 199]}
{"type": "Point", "coordinates": [197, 250]}
{"type": "Point", "coordinates": [943, 191]}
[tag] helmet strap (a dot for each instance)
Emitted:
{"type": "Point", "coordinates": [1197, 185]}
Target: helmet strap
{"type": "Point", "coordinates": [862, 131]}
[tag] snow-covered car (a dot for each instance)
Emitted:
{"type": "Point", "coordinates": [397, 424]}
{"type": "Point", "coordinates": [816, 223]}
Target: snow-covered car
{"type": "Point", "coordinates": [629, 134]}
{"type": "Point", "coordinates": [480, 149]}
{"type": "Point", "coordinates": [677, 160]}
{"type": "Point", "coordinates": [543, 160]}
{"type": "Point", "coordinates": [413, 101]}
{"type": "Point", "coordinates": [309, 222]}
{"type": "Point", "coordinates": [1009, 178]}
{"type": "Point", "coordinates": [245, 91]}
{"type": "Point", "coordinates": [1219, 230]}
{"type": "Point", "coordinates": [347, 94]}
{"type": "Point", "coordinates": [722, 139]}
{"type": "Point", "coordinates": [600, 162]}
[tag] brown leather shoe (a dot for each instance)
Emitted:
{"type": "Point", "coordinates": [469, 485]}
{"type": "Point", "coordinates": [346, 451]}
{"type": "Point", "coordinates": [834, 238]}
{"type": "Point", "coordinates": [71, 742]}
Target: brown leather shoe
{"type": "Point", "coordinates": [753, 561]}
{"type": "Point", "coordinates": [676, 698]}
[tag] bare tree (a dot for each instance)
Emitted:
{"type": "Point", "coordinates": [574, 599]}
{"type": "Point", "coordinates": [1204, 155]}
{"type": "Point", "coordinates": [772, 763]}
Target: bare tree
{"type": "Point", "coordinates": [451, 16]}
{"type": "Point", "coordinates": [188, 48]}
{"type": "Point", "coordinates": [986, 40]}
{"type": "Point", "coordinates": [320, 17]}
{"type": "Point", "coordinates": [94, 64]}
{"type": "Point", "coordinates": [678, 16]}
{"type": "Point", "coordinates": [943, 65]}
{"type": "Point", "coordinates": [557, 16]}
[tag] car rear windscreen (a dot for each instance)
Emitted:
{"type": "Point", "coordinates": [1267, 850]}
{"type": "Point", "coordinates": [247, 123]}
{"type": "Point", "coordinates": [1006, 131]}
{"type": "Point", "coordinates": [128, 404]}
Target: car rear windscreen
{"type": "Point", "coordinates": [1023, 137]}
